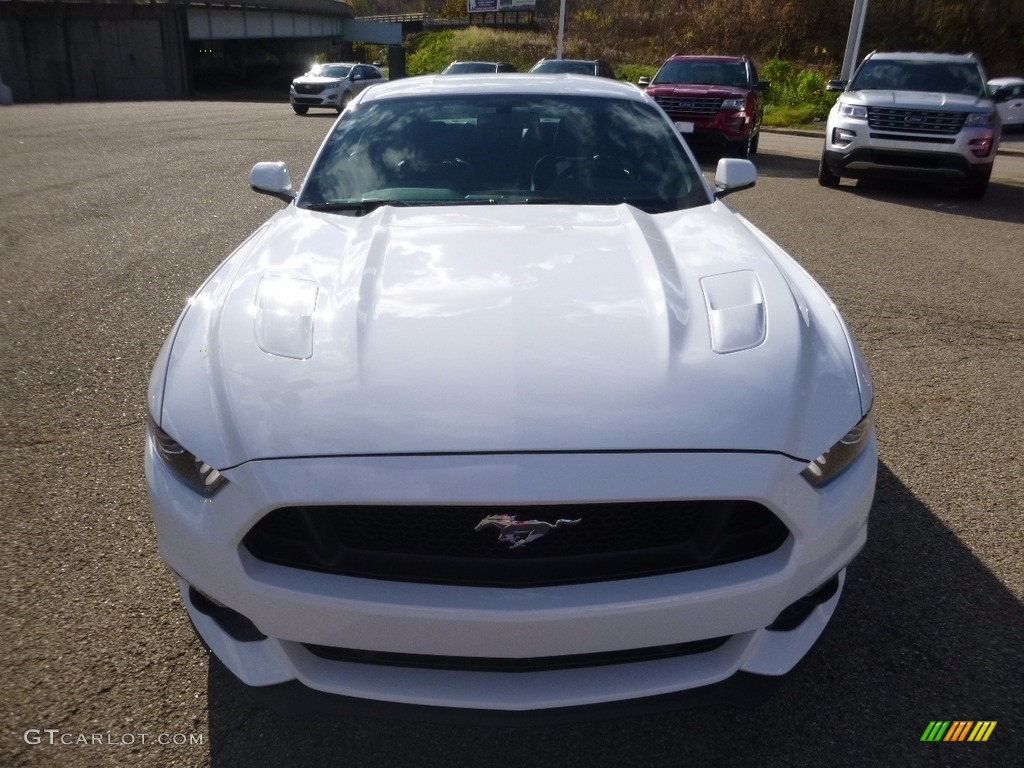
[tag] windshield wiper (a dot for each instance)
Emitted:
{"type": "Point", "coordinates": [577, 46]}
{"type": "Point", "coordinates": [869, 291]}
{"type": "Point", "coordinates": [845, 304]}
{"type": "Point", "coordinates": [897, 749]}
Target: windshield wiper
{"type": "Point", "coordinates": [357, 206]}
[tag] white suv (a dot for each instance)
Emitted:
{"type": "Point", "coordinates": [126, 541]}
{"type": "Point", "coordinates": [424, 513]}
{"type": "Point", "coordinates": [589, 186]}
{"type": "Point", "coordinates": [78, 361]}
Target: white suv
{"type": "Point", "coordinates": [913, 115]}
{"type": "Point", "coordinates": [332, 86]}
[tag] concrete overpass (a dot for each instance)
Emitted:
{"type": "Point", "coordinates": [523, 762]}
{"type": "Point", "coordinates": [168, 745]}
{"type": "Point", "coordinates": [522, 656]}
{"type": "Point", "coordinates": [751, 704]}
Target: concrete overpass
{"type": "Point", "coordinates": [72, 50]}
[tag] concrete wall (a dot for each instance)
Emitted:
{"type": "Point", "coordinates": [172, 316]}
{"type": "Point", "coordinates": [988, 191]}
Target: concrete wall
{"type": "Point", "coordinates": [78, 52]}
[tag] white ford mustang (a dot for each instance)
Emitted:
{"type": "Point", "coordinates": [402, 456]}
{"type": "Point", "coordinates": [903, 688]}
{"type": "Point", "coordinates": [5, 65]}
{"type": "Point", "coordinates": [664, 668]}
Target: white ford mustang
{"type": "Point", "coordinates": [505, 413]}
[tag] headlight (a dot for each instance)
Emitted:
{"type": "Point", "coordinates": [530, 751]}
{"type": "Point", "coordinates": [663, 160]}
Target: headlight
{"type": "Point", "coordinates": [733, 104]}
{"type": "Point", "coordinates": [856, 111]}
{"type": "Point", "coordinates": [980, 119]}
{"type": "Point", "coordinates": [827, 467]}
{"type": "Point", "coordinates": [193, 471]}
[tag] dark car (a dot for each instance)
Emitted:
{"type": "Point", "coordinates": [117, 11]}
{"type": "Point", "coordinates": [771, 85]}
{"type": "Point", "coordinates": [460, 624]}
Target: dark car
{"type": "Point", "coordinates": [714, 100]}
{"type": "Point", "coordinates": [477, 67]}
{"type": "Point", "coordinates": [594, 67]}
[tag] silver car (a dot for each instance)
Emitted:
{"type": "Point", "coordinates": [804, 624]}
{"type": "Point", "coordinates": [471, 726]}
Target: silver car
{"type": "Point", "coordinates": [332, 86]}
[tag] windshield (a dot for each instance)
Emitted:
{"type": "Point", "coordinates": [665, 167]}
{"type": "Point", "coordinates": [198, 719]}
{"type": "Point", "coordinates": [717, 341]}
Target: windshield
{"type": "Point", "coordinates": [932, 76]}
{"type": "Point", "coordinates": [488, 149]}
{"type": "Point", "coordinates": [733, 73]}
{"type": "Point", "coordinates": [330, 70]}
{"type": "Point", "coordinates": [470, 68]}
{"type": "Point", "coordinates": [558, 67]}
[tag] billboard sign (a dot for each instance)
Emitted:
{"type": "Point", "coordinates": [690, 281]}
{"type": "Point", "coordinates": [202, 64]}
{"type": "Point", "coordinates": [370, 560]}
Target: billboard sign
{"type": "Point", "coordinates": [490, 6]}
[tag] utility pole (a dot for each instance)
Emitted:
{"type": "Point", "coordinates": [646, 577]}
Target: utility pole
{"type": "Point", "coordinates": [850, 58]}
{"type": "Point", "coordinates": [561, 28]}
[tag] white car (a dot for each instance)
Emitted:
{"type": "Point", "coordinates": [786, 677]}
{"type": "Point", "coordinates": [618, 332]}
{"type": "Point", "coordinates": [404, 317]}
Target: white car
{"type": "Point", "coordinates": [1008, 94]}
{"type": "Point", "coordinates": [505, 412]}
{"type": "Point", "coordinates": [332, 86]}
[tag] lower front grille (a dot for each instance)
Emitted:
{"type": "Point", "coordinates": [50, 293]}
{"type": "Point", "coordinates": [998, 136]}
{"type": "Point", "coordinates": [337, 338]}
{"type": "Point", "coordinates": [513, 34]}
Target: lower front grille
{"type": "Point", "coordinates": [518, 546]}
{"type": "Point", "coordinates": [535, 664]}
{"type": "Point", "coordinates": [309, 87]}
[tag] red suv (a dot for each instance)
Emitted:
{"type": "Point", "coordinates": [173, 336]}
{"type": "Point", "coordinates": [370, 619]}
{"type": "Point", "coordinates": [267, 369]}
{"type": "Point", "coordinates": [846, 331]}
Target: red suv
{"type": "Point", "coordinates": [713, 100]}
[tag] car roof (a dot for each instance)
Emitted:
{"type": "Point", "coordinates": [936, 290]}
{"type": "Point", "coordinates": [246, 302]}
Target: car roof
{"type": "Point", "coordinates": [683, 56]}
{"type": "Point", "coordinates": [518, 83]}
{"type": "Point", "coordinates": [1006, 81]}
{"type": "Point", "coordinates": [910, 56]}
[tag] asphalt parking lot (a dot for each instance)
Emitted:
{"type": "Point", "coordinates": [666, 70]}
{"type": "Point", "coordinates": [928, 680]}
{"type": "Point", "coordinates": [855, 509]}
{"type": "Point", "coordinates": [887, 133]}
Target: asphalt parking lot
{"type": "Point", "coordinates": [111, 215]}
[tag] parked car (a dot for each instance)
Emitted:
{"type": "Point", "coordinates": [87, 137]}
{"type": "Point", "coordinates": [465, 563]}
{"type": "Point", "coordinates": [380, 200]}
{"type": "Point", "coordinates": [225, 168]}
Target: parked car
{"type": "Point", "coordinates": [506, 413]}
{"type": "Point", "coordinates": [717, 101]}
{"type": "Point", "coordinates": [1008, 95]}
{"type": "Point", "coordinates": [477, 67]}
{"type": "Point", "coordinates": [332, 86]}
{"type": "Point", "coordinates": [594, 67]}
{"type": "Point", "coordinates": [913, 116]}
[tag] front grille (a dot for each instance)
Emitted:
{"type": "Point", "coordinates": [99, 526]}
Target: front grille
{"type": "Point", "coordinates": [309, 87]}
{"type": "Point", "coordinates": [688, 105]}
{"type": "Point", "coordinates": [534, 664]}
{"type": "Point", "coordinates": [915, 120]}
{"type": "Point", "coordinates": [440, 544]}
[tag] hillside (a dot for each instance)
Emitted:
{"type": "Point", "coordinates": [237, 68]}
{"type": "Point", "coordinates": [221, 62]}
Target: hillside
{"type": "Point", "coordinates": [810, 31]}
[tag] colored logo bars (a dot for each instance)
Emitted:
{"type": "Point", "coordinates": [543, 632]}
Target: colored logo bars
{"type": "Point", "coordinates": [958, 730]}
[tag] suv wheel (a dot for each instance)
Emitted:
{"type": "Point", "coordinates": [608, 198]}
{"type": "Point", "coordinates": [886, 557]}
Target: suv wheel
{"type": "Point", "coordinates": [300, 109]}
{"type": "Point", "coordinates": [825, 176]}
{"type": "Point", "coordinates": [975, 186]}
{"type": "Point", "coordinates": [754, 143]}
{"type": "Point", "coordinates": [744, 150]}
{"type": "Point", "coordinates": [345, 99]}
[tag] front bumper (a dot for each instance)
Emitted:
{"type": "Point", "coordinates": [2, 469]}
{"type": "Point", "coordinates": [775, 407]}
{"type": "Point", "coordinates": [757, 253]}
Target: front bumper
{"type": "Point", "coordinates": [327, 98]}
{"type": "Point", "coordinates": [855, 150]}
{"type": "Point", "coordinates": [727, 130]}
{"type": "Point", "coordinates": [294, 609]}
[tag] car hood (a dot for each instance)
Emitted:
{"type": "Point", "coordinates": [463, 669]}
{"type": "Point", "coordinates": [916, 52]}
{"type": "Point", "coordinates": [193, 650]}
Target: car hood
{"type": "Point", "coordinates": [691, 89]}
{"type": "Point", "coordinates": [506, 328]}
{"type": "Point", "coordinates": [316, 80]}
{"type": "Point", "coordinates": [918, 99]}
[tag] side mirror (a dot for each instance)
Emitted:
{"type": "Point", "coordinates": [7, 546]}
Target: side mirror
{"type": "Point", "coordinates": [836, 85]}
{"type": "Point", "coordinates": [762, 85]}
{"type": "Point", "coordinates": [1000, 94]}
{"type": "Point", "coordinates": [272, 179]}
{"type": "Point", "coordinates": [644, 81]}
{"type": "Point", "coordinates": [732, 175]}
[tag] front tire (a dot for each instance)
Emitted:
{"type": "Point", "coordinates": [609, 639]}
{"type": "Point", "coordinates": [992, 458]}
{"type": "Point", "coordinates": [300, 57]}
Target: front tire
{"type": "Point", "coordinates": [300, 109]}
{"type": "Point", "coordinates": [974, 188]}
{"type": "Point", "coordinates": [345, 100]}
{"type": "Point", "coordinates": [825, 176]}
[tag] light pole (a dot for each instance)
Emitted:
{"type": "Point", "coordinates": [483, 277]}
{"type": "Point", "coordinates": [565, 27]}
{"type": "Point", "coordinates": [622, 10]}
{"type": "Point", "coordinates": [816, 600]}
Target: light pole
{"type": "Point", "coordinates": [561, 28]}
{"type": "Point", "coordinates": [860, 12]}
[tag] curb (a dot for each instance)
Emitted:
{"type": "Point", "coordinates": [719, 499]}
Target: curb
{"type": "Point", "coordinates": [1015, 151]}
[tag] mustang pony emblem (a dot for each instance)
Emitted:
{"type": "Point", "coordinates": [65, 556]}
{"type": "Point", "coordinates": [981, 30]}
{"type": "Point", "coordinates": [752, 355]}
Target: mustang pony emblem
{"type": "Point", "coordinates": [519, 533]}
